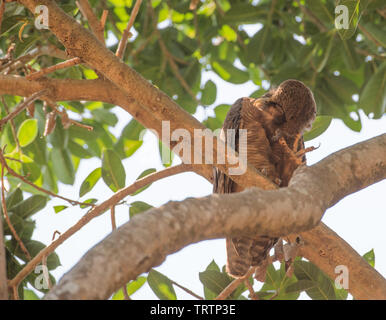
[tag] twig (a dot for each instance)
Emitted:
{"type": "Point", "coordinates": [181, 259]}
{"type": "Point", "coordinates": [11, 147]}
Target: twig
{"type": "Point", "coordinates": [113, 227]}
{"type": "Point", "coordinates": [8, 220]}
{"type": "Point", "coordinates": [96, 211]}
{"type": "Point", "coordinates": [143, 45]}
{"type": "Point", "coordinates": [366, 53]}
{"type": "Point", "coordinates": [61, 65]}
{"type": "Point", "coordinates": [234, 284]}
{"type": "Point", "coordinates": [187, 290]}
{"type": "Point", "coordinates": [369, 35]}
{"type": "Point", "coordinates": [13, 129]}
{"type": "Point", "coordinates": [67, 121]}
{"type": "Point", "coordinates": [312, 17]}
{"type": "Point", "coordinates": [126, 33]}
{"type": "Point", "coordinates": [112, 214]}
{"type": "Point", "coordinates": [175, 69]}
{"type": "Point", "coordinates": [193, 4]}
{"type": "Point", "coordinates": [15, 293]}
{"type": "Point", "coordinates": [252, 292]}
{"type": "Point", "coordinates": [49, 49]}
{"type": "Point", "coordinates": [22, 106]}
{"type": "Point", "coordinates": [56, 232]}
{"type": "Point", "coordinates": [15, 174]}
{"type": "Point", "coordinates": [103, 18]}
{"type": "Point", "coordinates": [96, 26]}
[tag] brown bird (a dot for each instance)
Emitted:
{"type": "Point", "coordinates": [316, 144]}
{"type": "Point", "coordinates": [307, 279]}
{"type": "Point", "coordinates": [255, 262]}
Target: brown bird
{"type": "Point", "coordinates": [275, 123]}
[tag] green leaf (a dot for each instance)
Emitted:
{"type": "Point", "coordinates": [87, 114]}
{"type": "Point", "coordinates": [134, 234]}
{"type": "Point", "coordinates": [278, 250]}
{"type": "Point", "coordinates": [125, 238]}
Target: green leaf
{"type": "Point", "coordinates": [131, 288]}
{"type": "Point", "coordinates": [13, 198]}
{"type": "Point", "coordinates": [166, 154]}
{"type": "Point", "coordinates": [228, 33]}
{"type": "Point", "coordinates": [349, 55]}
{"type": "Point", "coordinates": [59, 208]}
{"type": "Point", "coordinates": [320, 125]}
{"type": "Point", "coordinates": [243, 13]}
{"type": "Point", "coordinates": [59, 137]}
{"type": "Point", "coordinates": [213, 266]}
{"type": "Point", "coordinates": [27, 132]}
{"type": "Point", "coordinates": [143, 174]}
{"type": "Point", "coordinates": [161, 285]}
{"type": "Point", "coordinates": [257, 45]}
{"type": "Point", "coordinates": [373, 96]}
{"type": "Point", "coordinates": [323, 51]}
{"type": "Point", "coordinates": [113, 172]}
{"type": "Point", "coordinates": [90, 181]}
{"type": "Point", "coordinates": [30, 295]}
{"type": "Point", "coordinates": [31, 171]}
{"type": "Point", "coordinates": [34, 247]}
{"type": "Point", "coordinates": [355, 10]}
{"type": "Point", "coordinates": [300, 285]}
{"type": "Point", "coordinates": [341, 294]}
{"type": "Point", "coordinates": [221, 112]}
{"type": "Point", "coordinates": [214, 280]}
{"type": "Point", "coordinates": [210, 295]}
{"type": "Point", "coordinates": [209, 93]}
{"type": "Point", "coordinates": [63, 166]}
{"type": "Point", "coordinates": [342, 87]}
{"type": "Point", "coordinates": [82, 133]}
{"type": "Point", "coordinates": [129, 141]}
{"type": "Point", "coordinates": [92, 201]}
{"type": "Point", "coordinates": [275, 285]}
{"type": "Point", "coordinates": [229, 72]}
{"type": "Point", "coordinates": [78, 150]}
{"type": "Point", "coordinates": [370, 257]}
{"type": "Point", "coordinates": [323, 289]}
{"type": "Point", "coordinates": [105, 116]}
{"type": "Point", "coordinates": [376, 32]}
{"type": "Point", "coordinates": [138, 207]}
{"type": "Point", "coordinates": [28, 207]}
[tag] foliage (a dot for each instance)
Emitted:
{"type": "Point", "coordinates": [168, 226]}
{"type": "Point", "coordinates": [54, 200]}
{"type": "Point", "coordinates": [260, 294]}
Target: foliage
{"type": "Point", "coordinates": [290, 39]}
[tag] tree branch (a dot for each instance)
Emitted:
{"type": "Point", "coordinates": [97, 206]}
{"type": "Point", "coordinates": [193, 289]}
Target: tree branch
{"type": "Point", "coordinates": [22, 106]}
{"type": "Point", "coordinates": [145, 102]}
{"type": "Point", "coordinates": [94, 212]}
{"type": "Point", "coordinates": [322, 248]}
{"type": "Point", "coordinates": [74, 37]}
{"type": "Point", "coordinates": [96, 26]}
{"type": "Point", "coordinates": [126, 33]}
{"type": "Point", "coordinates": [151, 236]}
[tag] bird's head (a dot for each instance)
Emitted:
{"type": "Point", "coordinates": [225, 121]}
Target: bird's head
{"type": "Point", "coordinates": [298, 105]}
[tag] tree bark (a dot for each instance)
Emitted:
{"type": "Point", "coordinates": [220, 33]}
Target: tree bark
{"type": "Point", "coordinates": [146, 240]}
{"type": "Point", "coordinates": [147, 104]}
{"type": "Point", "coordinates": [321, 248]}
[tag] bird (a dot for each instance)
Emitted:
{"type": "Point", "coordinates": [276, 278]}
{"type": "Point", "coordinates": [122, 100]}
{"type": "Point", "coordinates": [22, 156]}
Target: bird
{"type": "Point", "coordinates": [275, 123]}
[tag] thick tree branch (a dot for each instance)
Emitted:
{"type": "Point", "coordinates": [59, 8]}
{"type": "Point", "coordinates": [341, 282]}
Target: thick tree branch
{"type": "Point", "coordinates": [151, 236]}
{"type": "Point", "coordinates": [89, 90]}
{"type": "Point", "coordinates": [322, 248]}
{"type": "Point", "coordinates": [146, 102]}
{"type": "Point", "coordinates": [79, 42]}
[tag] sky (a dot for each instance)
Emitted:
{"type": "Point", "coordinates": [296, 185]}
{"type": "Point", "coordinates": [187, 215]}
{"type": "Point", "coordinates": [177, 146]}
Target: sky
{"type": "Point", "coordinates": [359, 218]}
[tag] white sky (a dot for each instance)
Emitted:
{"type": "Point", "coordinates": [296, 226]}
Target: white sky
{"type": "Point", "coordinates": [359, 219]}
